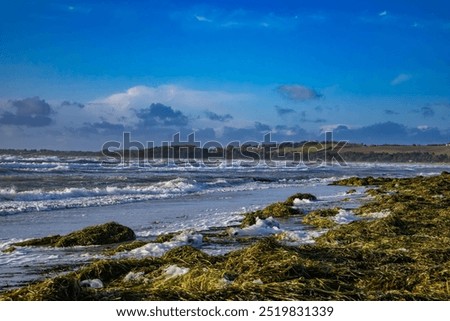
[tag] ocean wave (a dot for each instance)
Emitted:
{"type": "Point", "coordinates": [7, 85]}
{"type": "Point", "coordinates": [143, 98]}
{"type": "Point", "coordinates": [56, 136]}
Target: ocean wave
{"type": "Point", "coordinates": [13, 201]}
{"type": "Point", "coordinates": [178, 185]}
{"type": "Point", "coordinates": [11, 158]}
{"type": "Point", "coordinates": [47, 183]}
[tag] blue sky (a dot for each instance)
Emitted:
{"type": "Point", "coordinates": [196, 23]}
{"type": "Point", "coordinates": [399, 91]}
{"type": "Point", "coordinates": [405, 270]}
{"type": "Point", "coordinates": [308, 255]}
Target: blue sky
{"type": "Point", "coordinates": [75, 74]}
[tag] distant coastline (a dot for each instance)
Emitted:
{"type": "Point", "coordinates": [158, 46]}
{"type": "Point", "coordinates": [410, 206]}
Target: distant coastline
{"type": "Point", "coordinates": [438, 153]}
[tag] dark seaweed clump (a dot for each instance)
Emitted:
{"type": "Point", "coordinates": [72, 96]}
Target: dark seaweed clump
{"type": "Point", "coordinates": [107, 233]}
{"type": "Point", "coordinates": [321, 218]}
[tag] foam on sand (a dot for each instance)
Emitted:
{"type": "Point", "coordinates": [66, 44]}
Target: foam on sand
{"type": "Point", "coordinates": [158, 249]}
{"type": "Point", "coordinates": [262, 227]}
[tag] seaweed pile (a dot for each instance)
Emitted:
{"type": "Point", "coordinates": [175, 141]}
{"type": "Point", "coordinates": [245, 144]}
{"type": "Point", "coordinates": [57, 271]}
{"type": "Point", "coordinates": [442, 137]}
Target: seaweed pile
{"type": "Point", "coordinates": [107, 233]}
{"type": "Point", "coordinates": [321, 218]}
{"type": "Point", "coordinates": [398, 250]}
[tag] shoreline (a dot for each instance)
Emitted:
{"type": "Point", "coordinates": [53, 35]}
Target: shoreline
{"type": "Point", "coordinates": [147, 219]}
{"type": "Point", "coordinates": [399, 250]}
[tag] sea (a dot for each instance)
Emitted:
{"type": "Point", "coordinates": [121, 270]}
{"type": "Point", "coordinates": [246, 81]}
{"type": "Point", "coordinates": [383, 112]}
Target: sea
{"type": "Point", "coordinates": [49, 195]}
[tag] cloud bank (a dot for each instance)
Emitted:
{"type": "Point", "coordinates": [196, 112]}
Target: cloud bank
{"type": "Point", "coordinates": [29, 112]}
{"type": "Point", "coordinates": [216, 117]}
{"type": "Point", "coordinates": [158, 113]}
{"type": "Point", "coordinates": [389, 133]}
{"type": "Point", "coordinates": [161, 115]}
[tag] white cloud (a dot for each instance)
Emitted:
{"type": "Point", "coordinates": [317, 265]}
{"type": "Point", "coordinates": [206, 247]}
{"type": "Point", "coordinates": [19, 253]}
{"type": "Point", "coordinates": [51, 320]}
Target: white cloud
{"type": "Point", "coordinates": [202, 18]}
{"type": "Point", "coordinates": [383, 13]}
{"type": "Point", "coordinates": [180, 97]}
{"type": "Point", "coordinates": [234, 19]}
{"type": "Point", "coordinates": [120, 108]}
{"type": "Point", "coordinates": [400, 79]}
